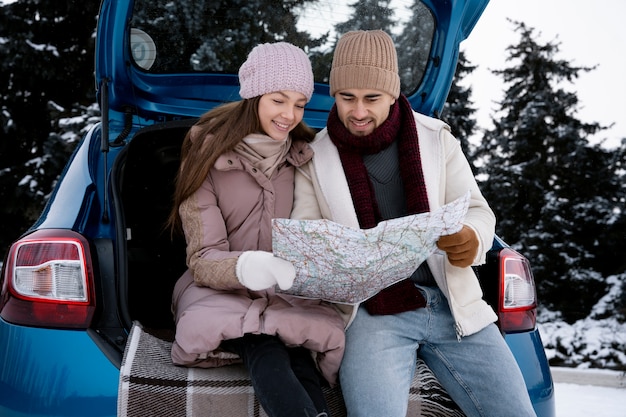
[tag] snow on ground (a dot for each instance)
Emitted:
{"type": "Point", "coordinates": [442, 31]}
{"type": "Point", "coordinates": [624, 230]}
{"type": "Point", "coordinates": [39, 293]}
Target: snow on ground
{"type": "Point", "coordinates": [574, 400]}
{"type": "Point", "coordinates": [589, 392]}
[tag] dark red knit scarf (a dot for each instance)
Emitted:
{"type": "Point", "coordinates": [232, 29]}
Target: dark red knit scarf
{"type": "Point", "coordinates": [400, 126]}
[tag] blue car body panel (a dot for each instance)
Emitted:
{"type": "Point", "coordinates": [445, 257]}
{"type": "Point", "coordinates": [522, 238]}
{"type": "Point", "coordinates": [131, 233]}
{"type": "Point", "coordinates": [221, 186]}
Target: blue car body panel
{"type": "Point", "coordinates": [531, 358]}
{"type": "Point", "coordinates": [52, 372]}
{"type": "Point", "coordinates": [64, 209]}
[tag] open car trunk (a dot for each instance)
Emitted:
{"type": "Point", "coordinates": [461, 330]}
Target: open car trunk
{"type": "Point", "coordinates": [145, 173]}
{"type": "Point", "coordinates": [155, 259]}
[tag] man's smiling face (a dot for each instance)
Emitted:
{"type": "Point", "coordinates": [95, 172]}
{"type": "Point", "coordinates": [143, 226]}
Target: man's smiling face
{"type": "Point", "coordinates": [362, 110]}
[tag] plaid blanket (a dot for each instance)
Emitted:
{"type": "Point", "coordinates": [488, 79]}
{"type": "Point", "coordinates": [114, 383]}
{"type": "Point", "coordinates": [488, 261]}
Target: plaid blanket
{"type": "Point", "coordinates": [150, 385]}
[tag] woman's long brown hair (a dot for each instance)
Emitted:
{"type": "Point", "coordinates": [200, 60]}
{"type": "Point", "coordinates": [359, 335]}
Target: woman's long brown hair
{"type": "Point", "coordinates": [216, 132]}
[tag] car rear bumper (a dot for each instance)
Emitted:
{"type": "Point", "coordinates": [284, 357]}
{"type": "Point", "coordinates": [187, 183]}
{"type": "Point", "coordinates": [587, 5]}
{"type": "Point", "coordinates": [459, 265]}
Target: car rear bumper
{"type": "Point", "coordinates": [46, 372]}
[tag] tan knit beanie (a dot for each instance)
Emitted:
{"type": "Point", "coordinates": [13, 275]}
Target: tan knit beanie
{"type": "Point", "coordinates": [365, 59]}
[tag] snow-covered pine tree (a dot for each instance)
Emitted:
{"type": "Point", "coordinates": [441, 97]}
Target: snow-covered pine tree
{"type": "Point", "coordinates": [459, 110]}
{"type": "Point", "coordinates": [368, 15]}
{"type": "Point", "coordinates": [46, 73]}
{"type": "Point", "coordinates": [413, 44]}
{"type": "Point", "coordinates": [559, 200]}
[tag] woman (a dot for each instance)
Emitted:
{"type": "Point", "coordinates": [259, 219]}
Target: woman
{"type": "Point", "coordinates": [237, 173]}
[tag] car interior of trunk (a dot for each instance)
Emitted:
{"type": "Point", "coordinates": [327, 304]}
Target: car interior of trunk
{"type": "Point", "coordinates": [155, 258]}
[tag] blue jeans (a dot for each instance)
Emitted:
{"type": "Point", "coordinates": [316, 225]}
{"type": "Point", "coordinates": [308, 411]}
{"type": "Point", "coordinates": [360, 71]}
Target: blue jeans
{"type": "Point", "coordinates": [479, 372]}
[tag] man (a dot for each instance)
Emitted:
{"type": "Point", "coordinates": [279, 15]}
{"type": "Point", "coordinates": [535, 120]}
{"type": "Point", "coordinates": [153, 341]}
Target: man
{"type": "Point", "coordinates": [377, 159]}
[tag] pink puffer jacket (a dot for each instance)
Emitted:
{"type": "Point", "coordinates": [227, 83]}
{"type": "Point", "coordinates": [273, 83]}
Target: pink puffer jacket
{"type": "Point", "coordinates": [229, 214]}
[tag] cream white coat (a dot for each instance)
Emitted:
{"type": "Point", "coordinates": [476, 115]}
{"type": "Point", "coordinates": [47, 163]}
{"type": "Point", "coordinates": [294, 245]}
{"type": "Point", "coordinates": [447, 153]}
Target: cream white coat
{"type": "Point", "coordinates": [447, 175]}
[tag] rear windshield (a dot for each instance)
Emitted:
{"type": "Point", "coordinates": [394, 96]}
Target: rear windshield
{"type": "Point", "coordinates": [209, 36]}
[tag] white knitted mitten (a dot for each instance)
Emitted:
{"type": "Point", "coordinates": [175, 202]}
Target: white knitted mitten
{"type": "Point", "coordinates": [258, 270]}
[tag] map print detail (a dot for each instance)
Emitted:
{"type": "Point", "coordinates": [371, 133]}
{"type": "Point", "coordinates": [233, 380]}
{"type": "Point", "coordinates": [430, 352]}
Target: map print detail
{"type": "Point", "coordinates": [346, 265]}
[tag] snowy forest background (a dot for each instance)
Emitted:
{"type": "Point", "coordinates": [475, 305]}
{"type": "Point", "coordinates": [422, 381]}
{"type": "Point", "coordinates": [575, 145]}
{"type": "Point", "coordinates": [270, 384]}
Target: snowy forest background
{"type": "Point", "coordinates": [560, 200]}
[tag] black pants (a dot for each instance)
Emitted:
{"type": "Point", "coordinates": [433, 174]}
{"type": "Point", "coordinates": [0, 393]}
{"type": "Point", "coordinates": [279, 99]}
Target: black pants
{"type": "Point", "coordinates": [285, 380]}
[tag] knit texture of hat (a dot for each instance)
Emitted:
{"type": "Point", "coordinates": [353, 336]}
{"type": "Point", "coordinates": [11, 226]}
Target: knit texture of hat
{"type": "Point", "coordinates": [365, 59]}
{"type": "Point", "coordinates": [272, 67]}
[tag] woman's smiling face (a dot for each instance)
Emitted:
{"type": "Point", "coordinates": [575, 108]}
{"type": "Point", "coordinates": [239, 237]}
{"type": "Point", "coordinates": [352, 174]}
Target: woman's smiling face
{"type": "Point", "coordinates": [280, 112]}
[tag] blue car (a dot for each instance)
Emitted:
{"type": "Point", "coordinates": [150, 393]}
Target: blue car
{"type": "Point", "coordinates": [98, 265]}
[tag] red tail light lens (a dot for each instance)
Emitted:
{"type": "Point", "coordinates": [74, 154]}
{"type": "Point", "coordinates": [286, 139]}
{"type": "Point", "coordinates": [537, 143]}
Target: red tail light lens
{"type": "Point", "coordinates": [49, 281]}
{"type": "Point", "coordinates": [517, 306]}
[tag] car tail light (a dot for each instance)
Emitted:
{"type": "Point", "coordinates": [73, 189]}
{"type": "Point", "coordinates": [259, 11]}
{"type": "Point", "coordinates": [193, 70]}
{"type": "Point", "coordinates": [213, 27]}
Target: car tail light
{"type": "Point", "coordinates": [48, 281]}
{"type": "Point", "coordinates": [517, 305]}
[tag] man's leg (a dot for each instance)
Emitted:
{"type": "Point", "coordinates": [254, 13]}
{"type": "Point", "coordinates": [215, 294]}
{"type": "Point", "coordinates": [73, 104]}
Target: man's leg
{"type": "Point", "coordinates": [479, 371]}
{"type": "Point", "coordinates": [378, 365]}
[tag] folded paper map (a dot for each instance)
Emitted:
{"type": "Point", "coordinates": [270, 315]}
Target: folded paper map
{"type": "Point", "coordinates": [347, 265]}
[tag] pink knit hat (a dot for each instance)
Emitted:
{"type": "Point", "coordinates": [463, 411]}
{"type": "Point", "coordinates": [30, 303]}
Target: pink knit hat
{"type": "Point", "coordinates": [272, 67]}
